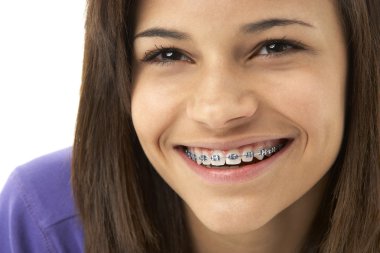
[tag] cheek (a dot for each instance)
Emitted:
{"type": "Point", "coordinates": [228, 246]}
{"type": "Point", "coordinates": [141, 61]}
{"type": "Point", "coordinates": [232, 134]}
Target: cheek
{"type": "Point", "coordinates": [146, 109]}
{"type": "Point", "coordinates": [154, 110]}
{"type": "Point", "coordinates": [314, 101]}
{"type": "Point", "coordinates": [315, 104]}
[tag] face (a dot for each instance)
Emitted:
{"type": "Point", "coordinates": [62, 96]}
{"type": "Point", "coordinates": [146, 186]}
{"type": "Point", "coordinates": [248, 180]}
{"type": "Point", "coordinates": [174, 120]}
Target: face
{"type": "Point", "coordinates": [252, 90]}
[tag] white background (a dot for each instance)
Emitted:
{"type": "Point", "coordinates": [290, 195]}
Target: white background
{"type": "Point", "coordinates": [41, 52]}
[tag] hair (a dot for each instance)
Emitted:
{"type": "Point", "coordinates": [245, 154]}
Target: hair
{"type": "Point", "coordinates": [125, 206]}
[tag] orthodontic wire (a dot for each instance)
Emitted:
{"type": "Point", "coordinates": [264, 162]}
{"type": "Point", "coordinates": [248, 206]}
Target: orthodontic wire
{"type": "Point", "coordinates": [217, 157]}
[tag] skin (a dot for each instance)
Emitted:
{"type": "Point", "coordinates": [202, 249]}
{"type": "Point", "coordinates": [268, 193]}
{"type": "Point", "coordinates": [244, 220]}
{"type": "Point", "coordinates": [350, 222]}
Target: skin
{"type": "Point", "coordinates": [226, 86]}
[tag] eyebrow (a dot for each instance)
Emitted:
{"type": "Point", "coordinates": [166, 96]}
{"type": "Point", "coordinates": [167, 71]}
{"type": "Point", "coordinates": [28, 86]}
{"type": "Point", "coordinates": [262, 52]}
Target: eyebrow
{"type": "Point", "coordinates": [270, 23]}
{"type": "Point", "coordinates": [163, 33]}
{"type": "Point", "coordinates": [254, 27]}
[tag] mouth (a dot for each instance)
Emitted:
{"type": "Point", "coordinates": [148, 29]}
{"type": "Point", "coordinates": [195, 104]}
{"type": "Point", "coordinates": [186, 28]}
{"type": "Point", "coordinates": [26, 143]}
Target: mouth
{"type": "Point", "coordinates": [234, 158]}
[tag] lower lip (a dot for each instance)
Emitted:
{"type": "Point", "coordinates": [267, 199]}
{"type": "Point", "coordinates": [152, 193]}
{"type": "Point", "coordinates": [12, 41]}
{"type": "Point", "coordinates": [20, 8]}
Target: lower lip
{"type": "Point", "coordinates": [230, 176]}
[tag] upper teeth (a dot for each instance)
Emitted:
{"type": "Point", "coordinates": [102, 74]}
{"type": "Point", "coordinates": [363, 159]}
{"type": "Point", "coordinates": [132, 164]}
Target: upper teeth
{"type": "Point", "coordinates": [231, 157]}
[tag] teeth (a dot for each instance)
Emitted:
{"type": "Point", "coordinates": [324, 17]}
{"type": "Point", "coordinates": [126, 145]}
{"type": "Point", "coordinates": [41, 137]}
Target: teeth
{"type": "Point", "coordinates": [206, 158]}
{"type": "Point", "coordinates": [247, 155]}
{"type": "Point", "coordinates": [233, 157]}
{"type": "Point", "coordinates": [217, 158]}
{"type": "Point", "coordinates": [270, 151]}
{"type": "Point", "coordinates": [260, 154]}
{"type": "Point", "coordinates": [198, 154]}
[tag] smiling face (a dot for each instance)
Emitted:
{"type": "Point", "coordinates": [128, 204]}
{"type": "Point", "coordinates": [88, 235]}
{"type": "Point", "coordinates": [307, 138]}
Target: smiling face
{"type": "Point", "coordinates": [228, 82]}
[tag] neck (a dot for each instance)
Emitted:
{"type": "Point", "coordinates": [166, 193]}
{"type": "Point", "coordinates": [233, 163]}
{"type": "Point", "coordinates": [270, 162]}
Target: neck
{"type": "Point", "coordinates": [285, 233]}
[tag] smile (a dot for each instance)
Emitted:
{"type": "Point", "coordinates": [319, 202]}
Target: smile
{"type": "Point", "coordinates": [234, 158]}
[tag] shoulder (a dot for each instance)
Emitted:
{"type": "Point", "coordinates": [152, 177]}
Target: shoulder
{"type": "Point", "coordinates": [37, 209]}
{"type": "Point", "coordinates": [44, 186]}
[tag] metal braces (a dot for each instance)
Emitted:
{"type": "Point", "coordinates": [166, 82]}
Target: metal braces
{"type": "Point", "coordinates": [248, 154]}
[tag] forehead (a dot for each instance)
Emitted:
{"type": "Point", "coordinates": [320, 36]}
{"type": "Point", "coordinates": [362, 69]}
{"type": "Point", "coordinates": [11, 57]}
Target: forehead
{"type": "Point", "coordinates": [225, 14]}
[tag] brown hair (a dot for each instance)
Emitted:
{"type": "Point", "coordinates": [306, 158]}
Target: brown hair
{"type": "Point", "coordinates": [124, 204]}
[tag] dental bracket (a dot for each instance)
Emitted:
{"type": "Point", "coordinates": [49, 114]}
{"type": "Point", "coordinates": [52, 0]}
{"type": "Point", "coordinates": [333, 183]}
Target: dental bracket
{"type": "Point", "coordinates": [248, 154]}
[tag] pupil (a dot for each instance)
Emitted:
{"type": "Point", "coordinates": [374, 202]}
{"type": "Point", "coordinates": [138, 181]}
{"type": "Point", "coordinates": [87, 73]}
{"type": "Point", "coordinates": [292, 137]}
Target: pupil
{"type": "Point", "coordinates": [276, 47]}
{"type": "Point", "coordinates": [171, 55]}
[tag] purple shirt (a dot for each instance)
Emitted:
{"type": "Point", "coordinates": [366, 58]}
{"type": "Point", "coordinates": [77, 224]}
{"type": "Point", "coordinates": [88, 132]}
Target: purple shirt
{"type": "Point", "coordinates": [37, 213]}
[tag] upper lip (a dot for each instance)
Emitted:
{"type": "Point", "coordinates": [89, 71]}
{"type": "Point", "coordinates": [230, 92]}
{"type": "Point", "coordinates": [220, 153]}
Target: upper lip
{"type": "Point", "coordinates": [234, 144]}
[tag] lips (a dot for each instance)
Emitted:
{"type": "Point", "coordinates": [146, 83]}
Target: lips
{"type": "Point", "coordinates": [235, 157]}
{"type": "Point", "coordinates": [236, 173]}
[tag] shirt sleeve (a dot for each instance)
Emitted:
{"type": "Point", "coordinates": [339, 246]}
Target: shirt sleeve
{"type": "Point", "coordinates": [19, 227]}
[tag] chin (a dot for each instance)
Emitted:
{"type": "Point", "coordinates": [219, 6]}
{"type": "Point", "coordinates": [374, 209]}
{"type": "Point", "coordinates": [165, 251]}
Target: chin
{"type": "Point", "coordinates": [231, 219]}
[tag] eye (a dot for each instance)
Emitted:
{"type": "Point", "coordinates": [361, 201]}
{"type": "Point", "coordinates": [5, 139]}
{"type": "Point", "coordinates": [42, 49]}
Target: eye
{"type": "Point", "coordinates": [165, 55]}
{"type": "Point", "coordinates": [278, 47]}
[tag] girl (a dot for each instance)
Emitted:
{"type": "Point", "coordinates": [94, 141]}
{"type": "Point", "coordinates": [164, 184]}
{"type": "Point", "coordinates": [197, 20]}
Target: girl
{"type": "Point", "coordinates": [215, 126]}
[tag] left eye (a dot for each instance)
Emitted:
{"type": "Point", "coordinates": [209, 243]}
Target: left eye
{"type": "Point", "coordinates": [277, 47]}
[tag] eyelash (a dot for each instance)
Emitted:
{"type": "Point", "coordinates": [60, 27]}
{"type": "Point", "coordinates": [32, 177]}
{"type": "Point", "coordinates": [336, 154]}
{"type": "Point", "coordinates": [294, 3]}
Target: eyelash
{"type": "Point", "coordinates": [290, 46]}
{"type": "Point", "coordinates": [151, 55]}
{"type": "Point", "coordinates": [293, 46]}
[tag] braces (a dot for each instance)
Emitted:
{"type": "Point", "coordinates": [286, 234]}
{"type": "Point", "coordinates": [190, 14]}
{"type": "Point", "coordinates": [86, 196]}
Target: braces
{"type": "Point", "coordinates": [248, 154]}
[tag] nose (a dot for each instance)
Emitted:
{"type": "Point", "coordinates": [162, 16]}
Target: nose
{"type": "Point", "coordinates": [222, 99]}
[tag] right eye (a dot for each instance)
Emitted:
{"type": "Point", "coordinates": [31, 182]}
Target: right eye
{"type": "Point", "coordinates": [279, 47]}
{"type": "Point", "coordinates": [165, 55]}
